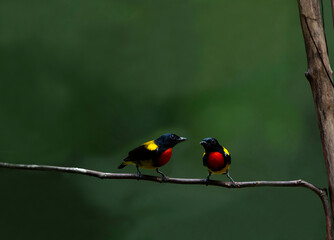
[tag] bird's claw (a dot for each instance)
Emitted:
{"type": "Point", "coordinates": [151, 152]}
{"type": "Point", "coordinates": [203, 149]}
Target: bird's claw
{"type": "Point", "coordinates": [233, 184]}
{"type": "Point", "coordinates": [164, 178]}
{"type": "Point", "coordinates": [232, 181]}
{"type": "Point", "coordinates": [207, 180]}
{"type": "Point", "coordinates": [139, 176]}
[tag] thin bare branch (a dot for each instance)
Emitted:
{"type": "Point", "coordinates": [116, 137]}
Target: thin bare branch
{"type": "Point", "coordinates": [322, 194]}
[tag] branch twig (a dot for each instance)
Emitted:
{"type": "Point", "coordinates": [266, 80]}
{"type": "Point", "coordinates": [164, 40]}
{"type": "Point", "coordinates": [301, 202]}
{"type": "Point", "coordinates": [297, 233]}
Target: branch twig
{"type": "Point", "coordinates": [322, 194]}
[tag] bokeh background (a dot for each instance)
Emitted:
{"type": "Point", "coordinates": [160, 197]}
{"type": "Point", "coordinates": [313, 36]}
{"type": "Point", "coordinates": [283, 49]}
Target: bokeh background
{"type": "Point", "coordinates": [83, 82]}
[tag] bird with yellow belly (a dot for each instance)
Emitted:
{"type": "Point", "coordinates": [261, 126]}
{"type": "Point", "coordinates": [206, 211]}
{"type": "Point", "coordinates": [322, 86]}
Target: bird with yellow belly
{"type": "Point", "coordinates": [153, 154]}
{"type": "Point", "coordinates": [216, 158]}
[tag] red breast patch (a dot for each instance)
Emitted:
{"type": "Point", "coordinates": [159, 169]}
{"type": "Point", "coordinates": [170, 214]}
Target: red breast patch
{"type": "Point", "coordinates": [164, 157]}
{"type": "Point", "coordinates": [216, 161]}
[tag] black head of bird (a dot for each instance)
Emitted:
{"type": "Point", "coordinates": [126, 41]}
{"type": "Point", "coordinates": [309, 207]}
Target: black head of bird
{"type": "Point", "coordinates": [169, 140]}
{"type": "Point", "coordinates": [211, 144]}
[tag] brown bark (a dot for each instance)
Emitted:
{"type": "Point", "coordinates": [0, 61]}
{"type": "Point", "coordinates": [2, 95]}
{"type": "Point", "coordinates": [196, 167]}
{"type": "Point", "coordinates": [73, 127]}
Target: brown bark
{"type": "Point", "coordinates": [319, 74]}
{"type": "Point", "coordinates": [332, 2]}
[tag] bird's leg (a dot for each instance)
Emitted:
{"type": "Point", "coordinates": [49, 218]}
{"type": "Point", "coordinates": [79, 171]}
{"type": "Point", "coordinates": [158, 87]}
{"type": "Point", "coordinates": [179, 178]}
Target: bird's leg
{"type": "Point", "coordinates": [207, 179]}
{"type": "Point", "coordinates": [228, 175]}
{"type": "Point", "coordinates": [139, 175]}
{"type": "Point", "coordinates": [164, 178]}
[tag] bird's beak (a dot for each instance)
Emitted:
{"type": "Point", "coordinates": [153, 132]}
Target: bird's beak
{"type": "Point", "coordinates": [182, 139]}
{"type": "Point", "coordinates": [203, 143]}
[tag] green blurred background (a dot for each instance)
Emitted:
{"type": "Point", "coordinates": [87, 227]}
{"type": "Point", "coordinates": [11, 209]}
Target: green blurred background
{"type": "Point", "coordinates": [83, 82]}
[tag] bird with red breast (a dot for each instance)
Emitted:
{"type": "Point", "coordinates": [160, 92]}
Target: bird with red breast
{"type": "Point", "coordinates": [153, 154]}
{"type": "Point", "coordinates": [216, 158]}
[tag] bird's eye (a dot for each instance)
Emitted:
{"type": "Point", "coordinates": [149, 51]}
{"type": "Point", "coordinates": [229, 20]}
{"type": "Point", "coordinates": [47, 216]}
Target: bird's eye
{"type": "Point", "coordinates": [173, 137]}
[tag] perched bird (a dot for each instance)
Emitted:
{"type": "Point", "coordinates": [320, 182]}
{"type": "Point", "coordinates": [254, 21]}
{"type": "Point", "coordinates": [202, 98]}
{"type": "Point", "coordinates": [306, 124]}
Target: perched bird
{"type": "Point", "coordinates": [153, 154]}
{"type": "Point", "coordinates": [216, 158]}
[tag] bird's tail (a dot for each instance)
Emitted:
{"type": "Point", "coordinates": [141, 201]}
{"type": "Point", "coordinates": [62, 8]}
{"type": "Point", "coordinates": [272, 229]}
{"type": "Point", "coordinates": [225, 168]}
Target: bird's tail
{"type": "Point", "coordinates": [126, 161]}
{"type": "Point", "coordinates": [122, 165]}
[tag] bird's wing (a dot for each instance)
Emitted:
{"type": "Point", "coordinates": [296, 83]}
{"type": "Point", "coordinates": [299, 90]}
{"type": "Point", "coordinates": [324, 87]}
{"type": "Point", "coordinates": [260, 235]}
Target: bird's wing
{"type": "Point", "coordinates": [205, 159]}
{"type": "Point", "coordinates": [151, 145]}
{"type": "Point", "coordinates": [144, 152]}
{"type": "Point", "coordinates": [226, 153]}
{"type": "Point", "coordinates": [227, 156]}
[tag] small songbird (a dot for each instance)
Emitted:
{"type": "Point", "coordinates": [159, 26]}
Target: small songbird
{"type": "Point", "coordinates": [153, 154]}
{"type": "Point", "coordinates": [216, 158]}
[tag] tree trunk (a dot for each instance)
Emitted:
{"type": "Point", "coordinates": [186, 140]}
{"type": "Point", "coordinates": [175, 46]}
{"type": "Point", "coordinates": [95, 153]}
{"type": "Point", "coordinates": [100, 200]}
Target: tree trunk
{"type": "Point", "coordinates": [332, 2]}
{"type": "Point", "coordinates": [319, 74]}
